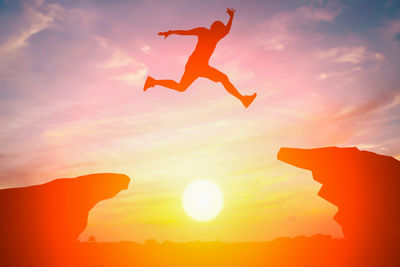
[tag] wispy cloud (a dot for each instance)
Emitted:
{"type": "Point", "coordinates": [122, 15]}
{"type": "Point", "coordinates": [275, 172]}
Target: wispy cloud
{"type": "Point", "coordinates": [391, 30]}
{"type": "Point", "coordinates": [284, 29]}
{"type": "Point", "coordinates": [351, 54]}
{"type": "Point", "coordinates": [379, 103]}
{"type": "Point", "coordinates": [36, 16]}
{"type": "Point", "coordinates": [122, 67]}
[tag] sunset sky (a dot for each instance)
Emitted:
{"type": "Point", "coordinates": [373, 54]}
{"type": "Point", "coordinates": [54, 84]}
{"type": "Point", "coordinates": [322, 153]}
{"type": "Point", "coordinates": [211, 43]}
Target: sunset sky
{"type": "Point", "coordinates": [71, 103]}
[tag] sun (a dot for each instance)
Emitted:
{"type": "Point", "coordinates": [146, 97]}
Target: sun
{"type": "Point", "coordinates": [202, 200]}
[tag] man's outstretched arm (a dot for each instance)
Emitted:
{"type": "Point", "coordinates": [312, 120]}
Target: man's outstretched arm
{"type": "Point", "coordinates": [231, 13]}
{"type": "Point", "coordinates": [195, 31]}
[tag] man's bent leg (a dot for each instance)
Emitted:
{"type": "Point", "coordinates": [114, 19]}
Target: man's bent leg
{"type": "Point", "coordinates": [218, 76]}
{"type": "Point", "coordinates": [171, 84]}
{"type": "Point", "coordinates": [187, 79]}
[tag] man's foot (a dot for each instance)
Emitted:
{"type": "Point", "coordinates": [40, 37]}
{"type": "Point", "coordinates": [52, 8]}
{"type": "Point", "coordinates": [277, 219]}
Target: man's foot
{"type": "Point", "coordinates": [248, 99]}
{"type": "Point", "coordinates": [149, 83]}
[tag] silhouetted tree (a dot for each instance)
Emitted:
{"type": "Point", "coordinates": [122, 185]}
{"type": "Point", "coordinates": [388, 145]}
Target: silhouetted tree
{"type": "Point", "coordinates": [151, 242]}
{"type": "Point", "coordinates": [92, 239]}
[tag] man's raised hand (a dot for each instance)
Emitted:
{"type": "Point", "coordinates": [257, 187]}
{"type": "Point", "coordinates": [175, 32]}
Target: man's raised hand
{"type": "Point", "coordinates": [230, 11]}
{"type": "Point", "coordinates": [165, 34]}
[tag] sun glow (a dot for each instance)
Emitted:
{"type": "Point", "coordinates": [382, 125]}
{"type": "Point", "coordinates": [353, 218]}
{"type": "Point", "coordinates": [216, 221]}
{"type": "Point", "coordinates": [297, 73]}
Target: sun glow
{"type": "Point", "coordinates": [202, 200]}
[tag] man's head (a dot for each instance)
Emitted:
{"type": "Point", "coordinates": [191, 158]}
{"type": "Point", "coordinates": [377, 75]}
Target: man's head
{"type": "Point", "coordinates": [218, 27]}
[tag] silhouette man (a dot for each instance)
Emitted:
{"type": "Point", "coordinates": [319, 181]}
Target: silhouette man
{"type": "Point", "coordinates": [197, 65]}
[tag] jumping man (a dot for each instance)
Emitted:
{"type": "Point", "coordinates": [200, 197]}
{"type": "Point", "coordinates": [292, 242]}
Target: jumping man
{"type": "Point", "coordinates": [197, 65]}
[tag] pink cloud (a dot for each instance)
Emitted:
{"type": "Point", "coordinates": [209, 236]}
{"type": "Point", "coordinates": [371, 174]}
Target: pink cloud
{"type": "Point", "coordinates": [36, 17]}
{"type": "Point", "coordinates": [284, 29]}
{"type": "Point", "coordinates": [391, 30]}
{"type": "Point", "coordinates": [121, 66]}
{"type": "Point", "coordinates": [350, 54]}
